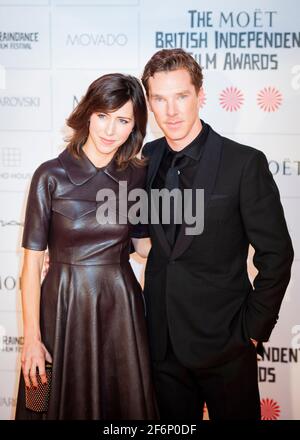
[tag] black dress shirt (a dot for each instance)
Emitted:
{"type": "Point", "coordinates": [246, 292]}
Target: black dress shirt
{"type": "Point", "coordinates": [186, 161]}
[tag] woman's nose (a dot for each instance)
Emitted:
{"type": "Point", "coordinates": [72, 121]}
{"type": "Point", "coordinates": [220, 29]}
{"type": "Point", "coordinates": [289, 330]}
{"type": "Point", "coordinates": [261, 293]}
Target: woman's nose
{"type": "Point", "coordinates": [110, 127]}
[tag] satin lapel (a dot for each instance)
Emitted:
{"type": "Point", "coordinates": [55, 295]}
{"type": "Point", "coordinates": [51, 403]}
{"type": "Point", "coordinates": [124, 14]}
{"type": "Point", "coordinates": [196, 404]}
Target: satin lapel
{"type": "Point", "coordinates": [152, 171]}
{"type": "Point", "coordinates": [205, 179]}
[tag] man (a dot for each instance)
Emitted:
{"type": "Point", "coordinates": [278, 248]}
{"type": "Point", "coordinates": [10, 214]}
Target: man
{"type": "Point", "coordinates": [204, 317]}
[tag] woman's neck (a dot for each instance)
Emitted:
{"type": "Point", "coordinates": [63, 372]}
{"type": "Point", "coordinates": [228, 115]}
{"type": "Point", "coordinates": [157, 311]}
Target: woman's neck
{"type": "Point", "coordinates": [98, 159]}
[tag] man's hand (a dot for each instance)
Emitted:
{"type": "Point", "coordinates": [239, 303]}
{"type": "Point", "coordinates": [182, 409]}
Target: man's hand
{"type": "Point", "coordinates": [45, 264]}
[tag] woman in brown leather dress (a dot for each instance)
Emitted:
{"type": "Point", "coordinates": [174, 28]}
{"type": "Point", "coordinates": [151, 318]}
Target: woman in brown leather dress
{"type": "Point", "coordinates": [88, 317]}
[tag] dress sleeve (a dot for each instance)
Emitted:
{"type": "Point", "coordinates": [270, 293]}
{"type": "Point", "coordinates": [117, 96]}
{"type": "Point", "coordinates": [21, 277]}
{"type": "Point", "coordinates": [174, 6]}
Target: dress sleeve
{"type": "Point", "coordinates": [38, 211]}
{"type": "Point", "coordinates": [139, 231]}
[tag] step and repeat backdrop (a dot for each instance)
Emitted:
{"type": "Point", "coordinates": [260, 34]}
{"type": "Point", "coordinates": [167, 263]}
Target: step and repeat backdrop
{"type": "Point", "coordinates": [50, 51]}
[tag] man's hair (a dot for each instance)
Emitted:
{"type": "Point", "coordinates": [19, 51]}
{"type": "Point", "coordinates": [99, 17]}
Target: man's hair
{"type": "Point", "coordinates": [168, 60]}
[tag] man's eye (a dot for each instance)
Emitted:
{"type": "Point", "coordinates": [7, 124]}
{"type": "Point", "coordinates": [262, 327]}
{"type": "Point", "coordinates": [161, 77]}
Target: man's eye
{"type": "Point", "coordinates": [182, 96]}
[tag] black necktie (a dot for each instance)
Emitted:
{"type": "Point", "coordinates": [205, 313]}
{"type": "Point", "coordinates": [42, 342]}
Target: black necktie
{"type": "Point", "coordinates": [172, 182]}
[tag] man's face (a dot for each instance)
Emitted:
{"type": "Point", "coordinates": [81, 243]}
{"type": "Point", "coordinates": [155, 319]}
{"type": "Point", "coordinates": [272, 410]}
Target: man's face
{"type": "Point", "coordinates": [175, 103]}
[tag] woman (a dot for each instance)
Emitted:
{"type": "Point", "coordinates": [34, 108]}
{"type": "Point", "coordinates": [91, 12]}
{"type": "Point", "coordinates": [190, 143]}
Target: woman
{"type": "Point", "coordinates": [87, 318]}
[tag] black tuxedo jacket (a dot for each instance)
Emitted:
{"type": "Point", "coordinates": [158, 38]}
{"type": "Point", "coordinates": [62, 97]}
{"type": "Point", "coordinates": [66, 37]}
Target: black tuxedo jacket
{"type": "Point", "coordinates": [199, 291]}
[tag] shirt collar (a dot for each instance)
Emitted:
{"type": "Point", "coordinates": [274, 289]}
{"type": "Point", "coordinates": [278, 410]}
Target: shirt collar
{"type": "Point", "coordinates": [193, 149]}
{"type": "Point", "coordinates": [81, 170]}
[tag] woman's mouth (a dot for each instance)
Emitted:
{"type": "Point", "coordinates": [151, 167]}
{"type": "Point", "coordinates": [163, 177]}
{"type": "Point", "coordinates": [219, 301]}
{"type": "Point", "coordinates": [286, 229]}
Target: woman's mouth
{"type": "Point", "coordinates": [107, 141]}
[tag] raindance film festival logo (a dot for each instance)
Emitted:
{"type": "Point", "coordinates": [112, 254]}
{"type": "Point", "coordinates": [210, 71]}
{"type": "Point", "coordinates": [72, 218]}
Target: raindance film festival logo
{"type": "Point", "coordinates": [10, 344]}
{"type": "Point", "coordinates": [18, 40]}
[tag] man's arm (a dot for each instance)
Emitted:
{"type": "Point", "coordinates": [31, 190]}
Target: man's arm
{"type": "Point", "coordinates": [267, 232]}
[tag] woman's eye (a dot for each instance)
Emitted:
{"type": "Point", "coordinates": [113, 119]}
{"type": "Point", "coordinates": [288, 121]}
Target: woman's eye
{"type": "Point", "coordinates": [123, 121]}
{"type": "Point", "coordinates": [101, 116]}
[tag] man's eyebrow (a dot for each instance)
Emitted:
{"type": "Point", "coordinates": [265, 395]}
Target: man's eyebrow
{"type": "Point", "coordinates": [182, 92]}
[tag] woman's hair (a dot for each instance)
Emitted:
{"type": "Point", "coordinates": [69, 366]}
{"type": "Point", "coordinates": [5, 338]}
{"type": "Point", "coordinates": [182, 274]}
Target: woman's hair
{"type": "Point", "coordinates": [168, 60]}
{"type": "Point", "coordinates": [105, 95]}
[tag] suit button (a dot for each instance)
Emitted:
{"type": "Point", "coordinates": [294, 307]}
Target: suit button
{"type": "Point", "coordinates": [172, 262]}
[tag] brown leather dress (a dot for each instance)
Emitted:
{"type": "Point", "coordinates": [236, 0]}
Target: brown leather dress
{"type": "Point", "coordinates": [92, 313]}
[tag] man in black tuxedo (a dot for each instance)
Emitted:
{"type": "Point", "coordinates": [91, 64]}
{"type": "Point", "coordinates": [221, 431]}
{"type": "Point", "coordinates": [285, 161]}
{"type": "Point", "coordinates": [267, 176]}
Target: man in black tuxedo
{"type": "Point", "coordinates": [204, 317]}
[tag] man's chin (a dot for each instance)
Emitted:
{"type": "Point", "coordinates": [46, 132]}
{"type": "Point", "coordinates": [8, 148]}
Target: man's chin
{"type": "Point", "coordinates": [173, 136]}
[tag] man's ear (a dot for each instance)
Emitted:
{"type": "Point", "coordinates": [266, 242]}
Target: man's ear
{"type": "Point", "coordinates": [200, 93]}
{"type": "Point", "coordinates": [200, 96]}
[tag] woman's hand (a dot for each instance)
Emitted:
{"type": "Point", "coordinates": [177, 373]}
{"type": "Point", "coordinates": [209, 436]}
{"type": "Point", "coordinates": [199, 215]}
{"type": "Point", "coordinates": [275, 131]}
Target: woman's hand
{"type": "Point", "coordinates": [34, 354]}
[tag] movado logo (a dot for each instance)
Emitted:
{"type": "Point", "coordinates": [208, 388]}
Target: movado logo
{"type": "Point", "coordinates": [76, 101]}
{"type": "Point", "coordinates": [90, 39]}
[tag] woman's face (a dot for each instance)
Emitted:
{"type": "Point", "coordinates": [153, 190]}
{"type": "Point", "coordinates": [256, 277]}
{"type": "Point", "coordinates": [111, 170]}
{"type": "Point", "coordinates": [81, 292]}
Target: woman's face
{"type": "Point", "coordinates": [109, 131]}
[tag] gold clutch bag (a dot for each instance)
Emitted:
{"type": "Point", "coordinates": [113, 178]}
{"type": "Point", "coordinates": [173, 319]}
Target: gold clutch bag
{"type": "Point", "coordinates": [37, 399]}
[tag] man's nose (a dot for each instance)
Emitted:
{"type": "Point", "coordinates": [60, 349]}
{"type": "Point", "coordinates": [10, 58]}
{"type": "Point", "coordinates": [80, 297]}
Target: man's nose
{"type": "Point", "coordinates": [171, 108]}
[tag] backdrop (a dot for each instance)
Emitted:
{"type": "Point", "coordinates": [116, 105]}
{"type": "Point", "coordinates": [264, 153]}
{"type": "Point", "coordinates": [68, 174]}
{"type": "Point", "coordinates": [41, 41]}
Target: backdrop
{"type": "Point", "coordinates": [50, 51]}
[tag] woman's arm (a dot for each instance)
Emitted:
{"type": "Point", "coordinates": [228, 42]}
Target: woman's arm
{"type": "Point", "coordinates": [142, 246]}
{"type": "Point", "coordinates": [34, 352]}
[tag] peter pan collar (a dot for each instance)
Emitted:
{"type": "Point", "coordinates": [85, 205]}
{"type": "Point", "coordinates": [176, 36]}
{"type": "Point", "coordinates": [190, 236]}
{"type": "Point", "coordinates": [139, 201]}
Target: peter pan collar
{"type": "Point", "coordinates": [81, 170]}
